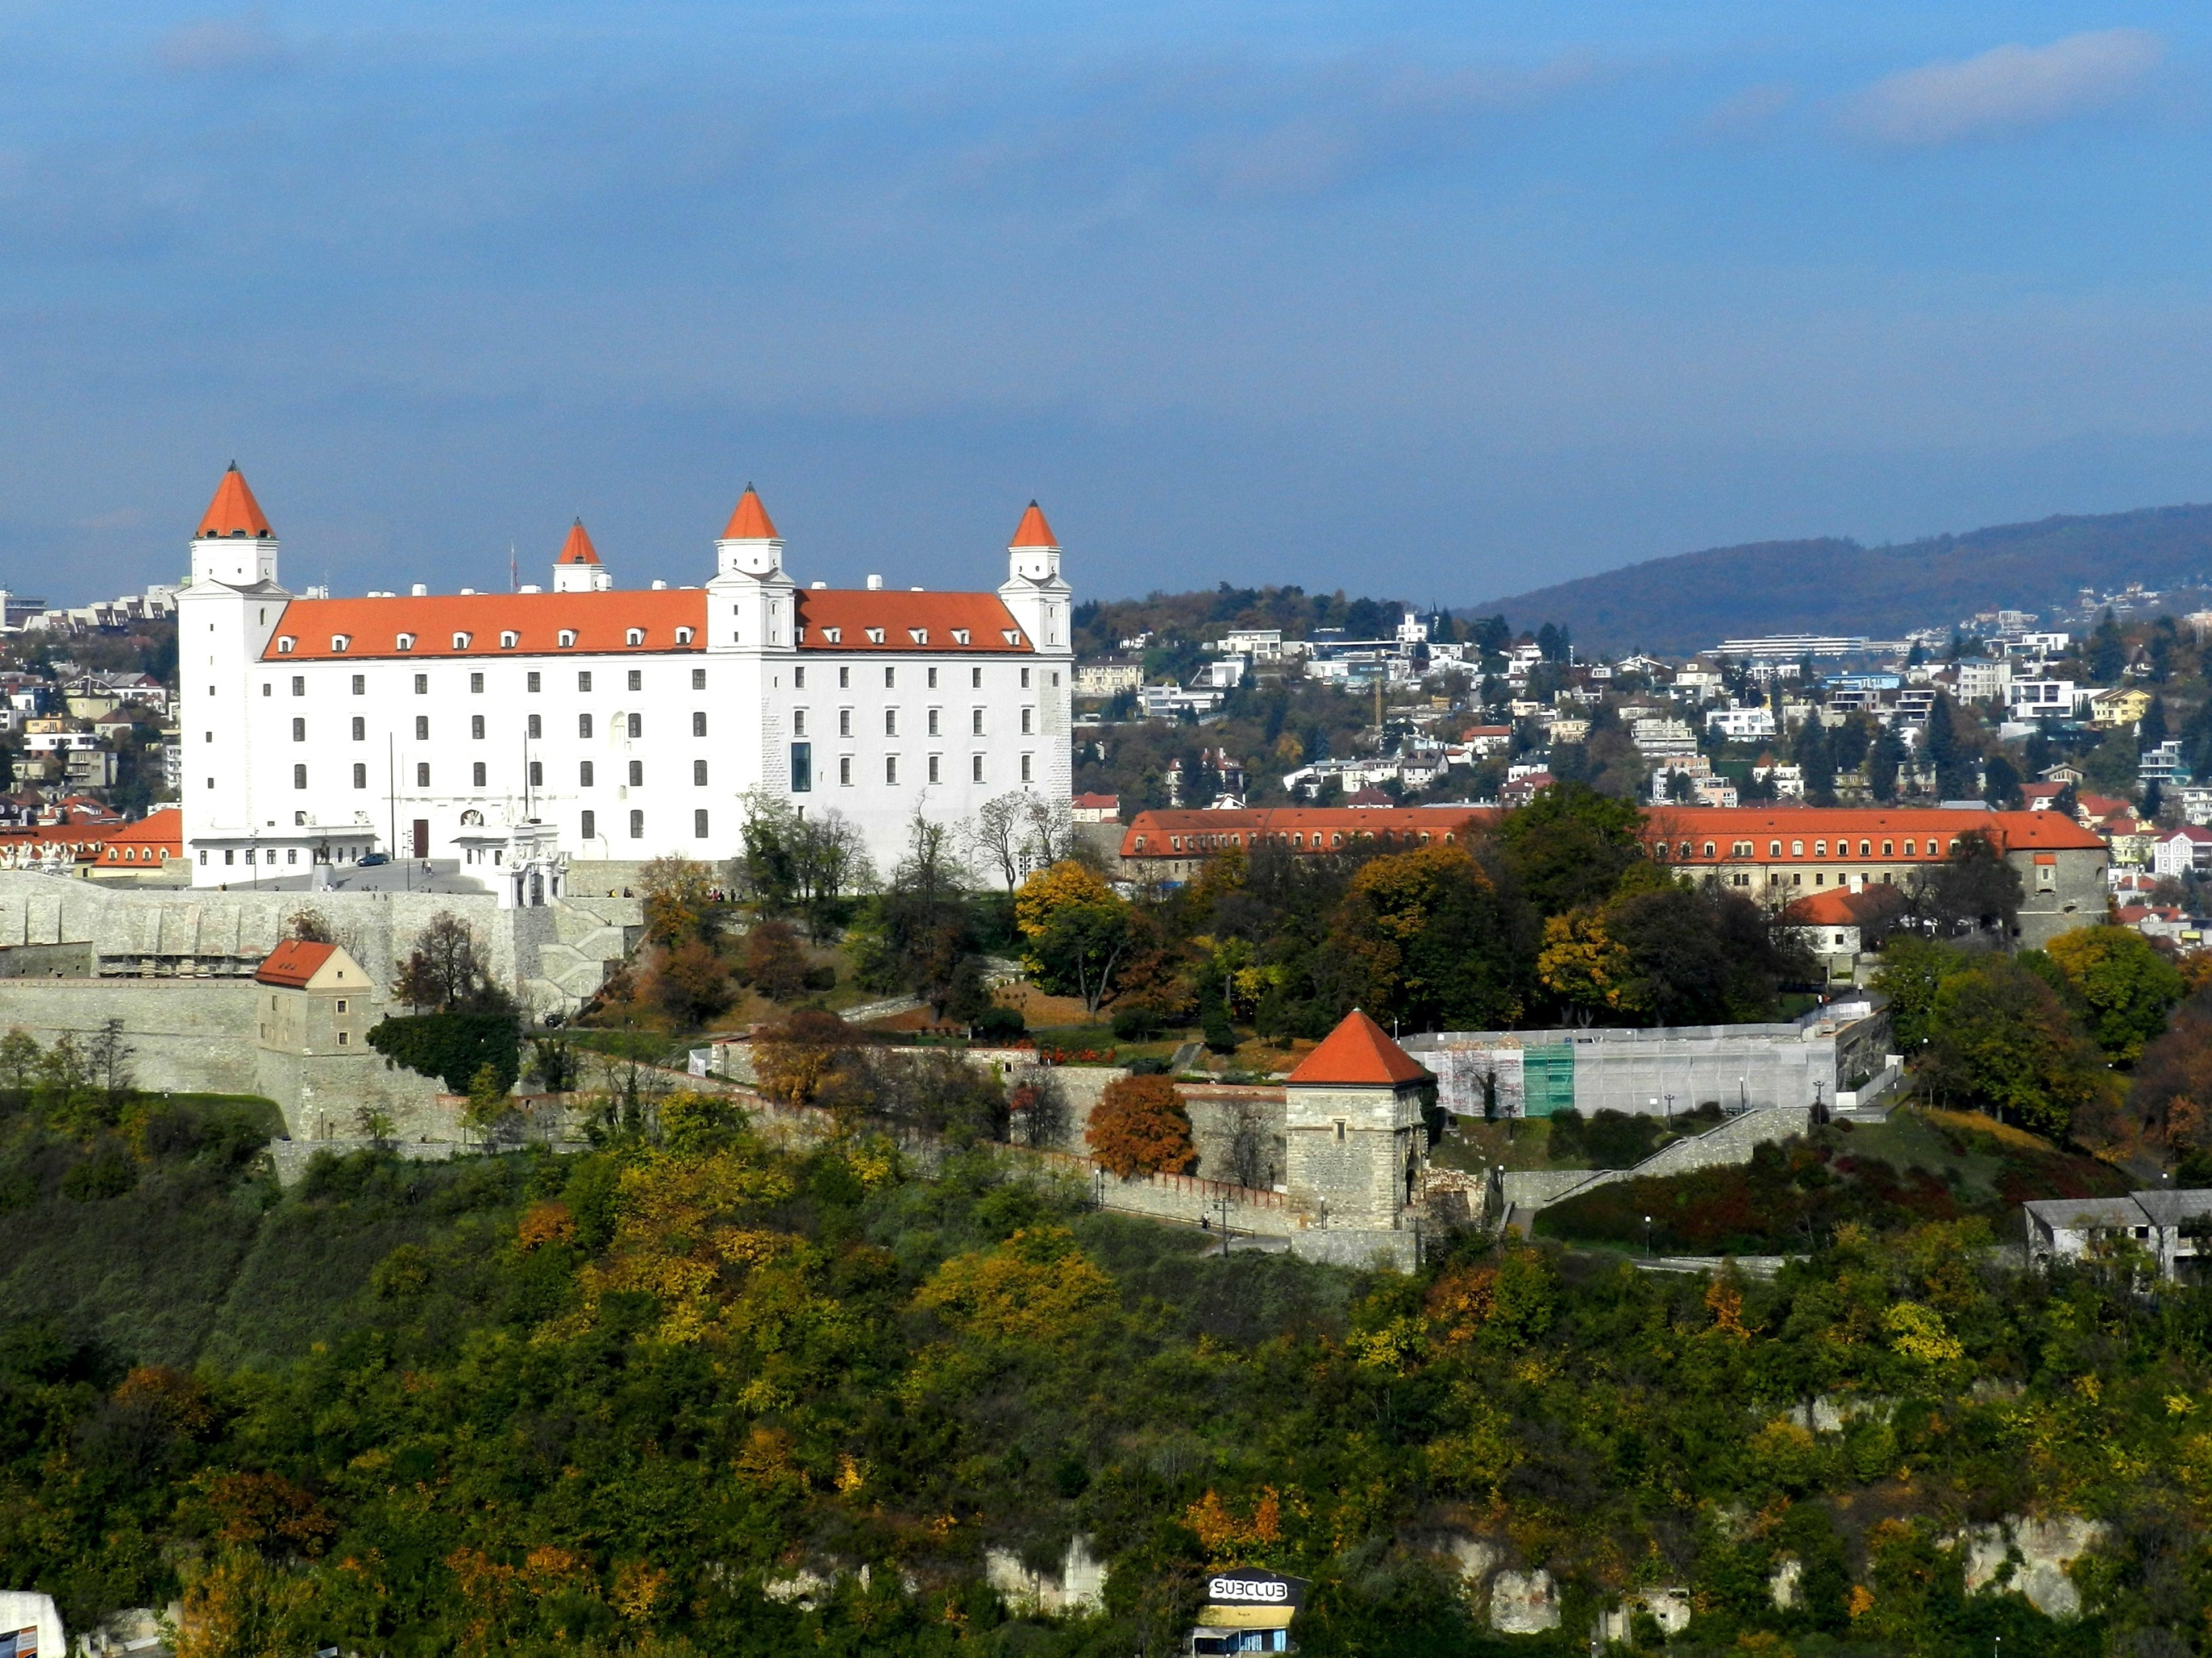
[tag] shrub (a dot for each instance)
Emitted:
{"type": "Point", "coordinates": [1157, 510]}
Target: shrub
{"type": "Point", "coordinates": [1135, 1021]}
{"type": "Point", "coordinates": [1214, 1023]}
{"type": "Point", "coordinates": [999, 1024]}
{"type": "Point", "coordinates": [1141, 1127]}
{"type": "Point", "coordinates": [775, 963]}
{"type": "Point", "coordinates": [453, 1047]}
{"type": "Point", "coordinates": [692, 984]}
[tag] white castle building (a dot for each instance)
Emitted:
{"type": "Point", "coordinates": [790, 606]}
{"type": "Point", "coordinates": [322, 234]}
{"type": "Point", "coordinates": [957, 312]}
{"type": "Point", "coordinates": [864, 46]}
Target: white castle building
{"type": "Point", "coordinates": [598, 722]}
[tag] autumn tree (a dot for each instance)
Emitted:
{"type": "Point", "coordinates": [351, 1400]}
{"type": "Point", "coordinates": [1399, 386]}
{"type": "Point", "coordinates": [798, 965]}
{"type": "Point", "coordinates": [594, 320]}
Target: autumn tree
{"type": "Point", "coordinates": [1583, 965]}
{"type": "Point", "coordinates": [679, 908]}
{"type": "Point", "coordinates": [690, 983]}
{"type": "Point", "coordinates": [1140, 1126]}
{"type": "Point", "coordinates": [1075, 931]}
{"type": "Point", "coordinates": [775, 964]}
{"type": "Point", "coordinates": [444, 970]}
{"type": "Point", "coordinates": [794, 1059]}
{"type": "Point", "coordinates": [2125, 984]}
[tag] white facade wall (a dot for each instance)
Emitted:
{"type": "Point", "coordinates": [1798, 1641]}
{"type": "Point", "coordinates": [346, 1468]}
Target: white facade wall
{"type": "Point", "coordinates": [290, 761]}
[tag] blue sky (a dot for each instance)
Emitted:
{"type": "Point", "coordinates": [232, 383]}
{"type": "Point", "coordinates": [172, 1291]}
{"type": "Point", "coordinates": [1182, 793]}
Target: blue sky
{"type": "Point", "coordinates": [1431, 301]}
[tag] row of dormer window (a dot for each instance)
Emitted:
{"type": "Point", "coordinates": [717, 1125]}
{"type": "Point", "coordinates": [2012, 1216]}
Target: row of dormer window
{"type": "Point", "coordinates": [534, 681]}
{"type": "Point", "coordinates": [508, 640]}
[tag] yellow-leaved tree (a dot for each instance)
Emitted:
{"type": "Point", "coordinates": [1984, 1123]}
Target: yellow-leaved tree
{"type": "Point", "coordinates": [1583, 965]}
{"type": "Point", "coordinates": [1036, 1286]}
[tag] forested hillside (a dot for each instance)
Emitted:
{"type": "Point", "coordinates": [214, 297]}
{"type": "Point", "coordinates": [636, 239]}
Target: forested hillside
{"type": "Point", "coordinates": [1828, 585]}
{"type": "Point", "coordinates": [602, 1403]}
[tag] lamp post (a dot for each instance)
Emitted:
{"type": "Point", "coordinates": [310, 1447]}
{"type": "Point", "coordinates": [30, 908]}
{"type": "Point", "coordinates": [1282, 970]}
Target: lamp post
{"type": "Point", "coordinates": [1647, 1237]}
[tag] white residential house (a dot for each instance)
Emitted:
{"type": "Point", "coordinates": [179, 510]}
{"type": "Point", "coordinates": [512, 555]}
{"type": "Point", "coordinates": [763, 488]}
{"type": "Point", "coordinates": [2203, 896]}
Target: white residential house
{"type": "Point", "coordinates": [1741, 724]}
{"type": "Point", "coordinates": [1980, 680]}
{"type": "Point", "coordinates": [2184, 851]}
{"type": "Point", "coordinates": [2043, 699]}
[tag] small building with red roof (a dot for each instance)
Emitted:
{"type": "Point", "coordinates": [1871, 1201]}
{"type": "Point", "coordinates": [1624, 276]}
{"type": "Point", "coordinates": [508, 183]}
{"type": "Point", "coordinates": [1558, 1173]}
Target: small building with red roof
{"type": "Point", "coordinates": [313, 999]}
{"type": "Point", "coordinates": [1356, 1142]}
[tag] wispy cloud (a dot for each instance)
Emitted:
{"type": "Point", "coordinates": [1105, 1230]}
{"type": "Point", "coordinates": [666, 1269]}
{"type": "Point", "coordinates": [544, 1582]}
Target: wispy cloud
{"type": "Point", "coordinates": [1747, 113]}
{"type": "Point", "coordinates": [242, 45]}
{"type": "Point", "coordinates": [2007, 88]}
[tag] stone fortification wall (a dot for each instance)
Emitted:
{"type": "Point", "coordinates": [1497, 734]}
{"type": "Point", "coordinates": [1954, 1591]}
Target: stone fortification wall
{"type": "Point", "coordinates": [1635, 1071]}
{"type": "Point", "coordinates": [1730, 1144]}
{"type": "Point", "coordinates": [554, 956]}
{"type": "Point", "coordinates": [191, 1035]}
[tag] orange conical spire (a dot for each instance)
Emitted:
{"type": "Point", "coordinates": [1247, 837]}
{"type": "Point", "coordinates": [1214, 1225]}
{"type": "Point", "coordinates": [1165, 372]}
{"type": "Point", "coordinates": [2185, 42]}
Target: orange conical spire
{"type": "Point", "coordinates": [749, 522]}
{"type": "Point", "coordinates": [233, 512]}
{"type": "Point", "coordinates": [578, 549]}
{"type": "Point", "coordinates": [1033, 531]}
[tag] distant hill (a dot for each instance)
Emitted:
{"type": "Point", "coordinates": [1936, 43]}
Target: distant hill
{"type": "Point", "coordinates": [1829, 586]}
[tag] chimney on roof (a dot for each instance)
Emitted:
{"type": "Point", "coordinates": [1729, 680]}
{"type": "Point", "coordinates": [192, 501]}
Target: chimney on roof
{"type": "Point", "coordinates": [875, 584]}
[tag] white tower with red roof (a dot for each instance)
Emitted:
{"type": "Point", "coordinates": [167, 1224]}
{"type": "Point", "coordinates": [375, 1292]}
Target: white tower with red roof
{"type": "Point", "coordinates": [225, 616]}
{"type": "Point", "coordinates": [578, 569]}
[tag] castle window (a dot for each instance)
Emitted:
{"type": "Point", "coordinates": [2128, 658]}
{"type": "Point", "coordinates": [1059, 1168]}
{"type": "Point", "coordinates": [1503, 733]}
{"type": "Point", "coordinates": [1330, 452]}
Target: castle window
{"type": "Point", "coordinates": [683, 635]}
{"type": "Point", "coordinates": [538, 773]}
{"type": "Point", "coordinates": [1013, 635]}
{"type": "Point", "coordinates": [477, 775]}
{"type": "Point", "coordinates": [637, 773]}
{"type": "Point", "coordinates": [507, 641]}
{"type": "Point", "coordinates": [531, 682]}
{"type": "Point", "coordinates": [1709, 848]}
{"type": "Point", "coordinates": [360, 684]}
{"type": "Point", "coordinates": [1025, 679]}
{"type": "Point", "coordinates": [476, 727]}
{"type": "Point", "coordinates": [422, 728]}
{"type": "Point", "coordinates": [360, 776]}
{"type": "Point", "coordinates": [960, 635]}
{"type": "Point", "coordinates": [461, 640]}
{"type": "Point", "coordinates": [976, 767]}
{"type": "Point", "coordinates": [284, 646]}
{"type": "Point", "coordinates": [699, 824]}
{"type": "Point", "coordinates": [421, 685]}
{"type": "Point", "coordinates": [298, 777]}
{"type": "Point", "coordinates": [890, 768]}
{"type": "Point", "coordinates": [699, 722]}
{"type": "Point", "coordinates": [634, 636]}
{"type": "Point", "coordinates": [584, 775]}
{"type": "Point", "coordinates": [637, 826]}
{"type": "Point", "coordinates": [698, 774]}
{"type": "Point", "coordinates": [637, 679]}
{"type": "Point", "coordinates": [407, 642]}
{"type": "Point", "coordinates": [637, 726]}
{"type": "Point", "coordinates": [341, 642]}
{"type": "Point", "coordinates": [534, 727]}
{"type": "Point", "coordinates": [833, 636]}
{"type": "Point", "coordinates": [421, 773]}
{"type": "Point", "coordinates": [875, 635]}
{"type": "Point", "coordinates": [919, 636]}
{"type": "Point", "coordinates": [583, 680]}
{"type": "Point", "coordinates": [566, 638]}
{"type": "Point", "coordinates": [591, 826]}
{"type": "Point", "coordinates": [584, 727]}
{"type": "Point", "coordinates": [933, 776]}
{"type": "Point", "coordinates": [845, 771]}
{"type": "Point", "coordinates": [476, 684]}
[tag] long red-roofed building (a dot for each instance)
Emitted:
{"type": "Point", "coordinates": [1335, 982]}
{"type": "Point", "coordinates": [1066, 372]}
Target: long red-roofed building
{"type": "Point", "coordinates": [591, 721]}
{"type": "Point", "coordinates": [1775, 854]}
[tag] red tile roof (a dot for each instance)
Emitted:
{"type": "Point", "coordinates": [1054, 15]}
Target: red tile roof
{"type": "Point", "coordinates": [2016, 831]}
{"type": "Point", "coordinates": [578, 549]}
{"type": "Point", "coordinates": [1317, 829]}
{"type": "Point", "coordinates": [750, 521]}
{"type": "Point", "coordinates": [293, 962]}
{"type": "Point", "coordinates": [1095, 802]}
{"type": "Point", "coordinates": [1033, 531]}
{"type": "Point", "coordinates": [233, 512]}
{"type": "Point", "coordinates": [163, 831]}
{"type": "Point", "coordinates": [1358, 1053]}
{"type": "Point", "coordinates": [602, 622]}
{"type": "Point", "coordinates": [899, 617]}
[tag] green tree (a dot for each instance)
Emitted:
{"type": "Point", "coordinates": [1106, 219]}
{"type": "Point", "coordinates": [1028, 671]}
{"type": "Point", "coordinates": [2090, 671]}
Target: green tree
{"type": "Point", "coordinates": [2004, 1040]}
{"type": "Point", "coordinates": [1913, 968]}
{"type": "Point", "coordinates": [2107, 652]}
{"type": "Point", "coordinates": [1816, 759]}
{"type": "Point", "coordinates": [1569, 846]}
{"type": "Point", "coordinates": [19, 1058]}
{"type": "Point", "coordinates": [1885, 758]}
{"type": "Point", "coordinates": [2126, 986]}
{"type": "Point", "coordinates": [1974, 890]}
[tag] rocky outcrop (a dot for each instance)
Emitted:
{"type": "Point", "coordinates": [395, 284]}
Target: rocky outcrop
{"type": "Point", "coordinates": [1524, 1603]}
{"type": "Point", "coordinates": [1669, 1608]}
{"type": "Point", "coordinates": [2029, 1557]}
{"type": "Point", "coordinates": [1078, 1586]}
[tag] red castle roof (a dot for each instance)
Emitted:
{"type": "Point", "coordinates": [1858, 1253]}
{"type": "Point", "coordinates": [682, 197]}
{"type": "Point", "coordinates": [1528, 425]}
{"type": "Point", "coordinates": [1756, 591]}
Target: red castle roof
{"type": "Point", "coordinates": [578, 549]}
{"type": "Point", "coordinates": [293, 962]}
{"type": "Point", "coordinates": [1358, 1053]}
{"type": "Point", "coordinates": [1033, 531]}
{"type": "Point", "coordinates": [750, 521]}
{"type": "Point", "coordinates": [233, 512]}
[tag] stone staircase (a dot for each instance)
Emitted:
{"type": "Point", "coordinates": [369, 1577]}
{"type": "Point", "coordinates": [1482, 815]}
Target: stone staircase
{"type": "Point", "coordinates": [564, 952]}
{"type": "Point", "coordinates": [1519, 1194]}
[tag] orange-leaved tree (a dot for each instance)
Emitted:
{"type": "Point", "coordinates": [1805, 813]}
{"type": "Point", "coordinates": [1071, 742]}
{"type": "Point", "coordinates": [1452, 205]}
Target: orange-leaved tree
{"type": "Point", "coordinates": [1140, 1127]}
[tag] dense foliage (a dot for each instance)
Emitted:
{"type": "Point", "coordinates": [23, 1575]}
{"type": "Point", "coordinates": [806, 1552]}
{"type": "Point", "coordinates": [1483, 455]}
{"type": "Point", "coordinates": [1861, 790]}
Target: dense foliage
{"type": "Point", "coordinates": [604, 1402]}
{"type": "Point", "coordinates": [453, 1047]}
